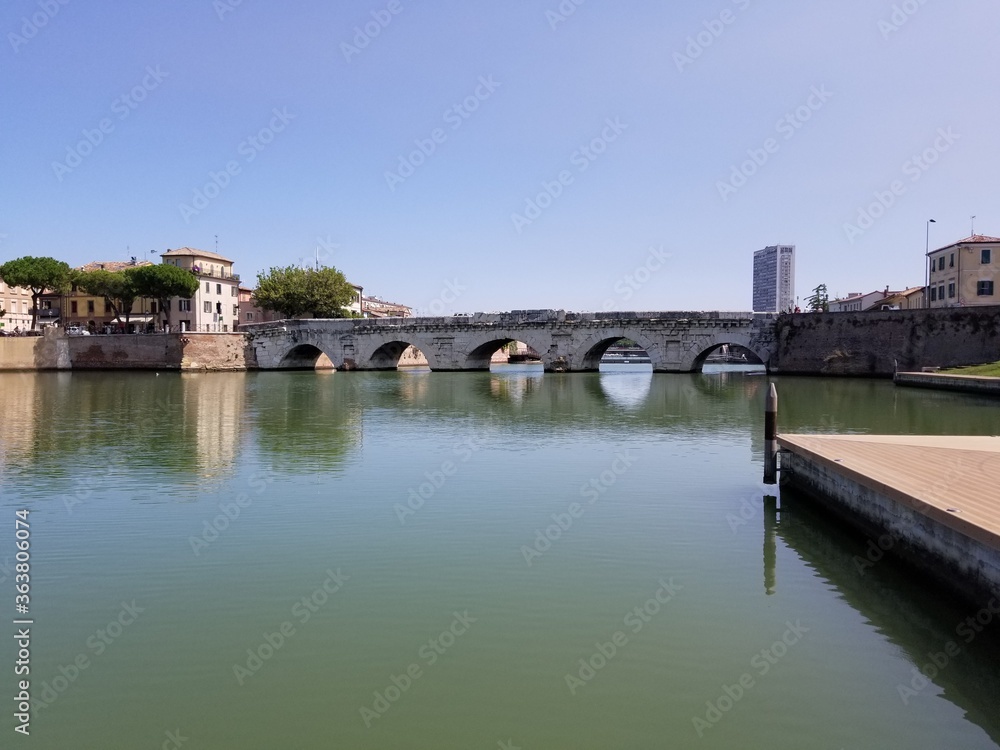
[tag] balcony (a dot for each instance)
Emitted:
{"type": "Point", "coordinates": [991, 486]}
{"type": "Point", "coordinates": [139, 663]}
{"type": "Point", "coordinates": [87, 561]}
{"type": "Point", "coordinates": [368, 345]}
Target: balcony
{"type": "Point", "coordinates": [48, 313]}
{"type": "Point", "coordinates": [210, 273]}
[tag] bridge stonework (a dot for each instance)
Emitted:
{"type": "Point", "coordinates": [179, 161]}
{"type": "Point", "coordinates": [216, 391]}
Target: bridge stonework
{"type": "Point", "coordinates": [567, 342]}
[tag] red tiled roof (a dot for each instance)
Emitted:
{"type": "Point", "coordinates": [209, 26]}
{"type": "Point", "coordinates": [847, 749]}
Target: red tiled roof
{"type": "Point", "coordinates": [974, 239]}
{"type": "Point", "coordinates": [195, 252]}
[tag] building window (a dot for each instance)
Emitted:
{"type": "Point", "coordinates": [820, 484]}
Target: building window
{"type": "Point", "coordinates": [208, 287]}
{"type": "Point", "coordinates": [234, 290]}
{"type": "Point", "coordinates": [90, 307]}
{"type": "Point", "coordinates": [933, 294]}
{"type": "Point", "coordinates": [249, 316]}
{"type": "Point", "coordinates": [984, 288]}
{"type": "Point", "coordinates": [236, 311]}
{"type": "Point", "coordinates": [951, 261]}
{"type": "Point", "coordinates": [183, 305]}
{"type": "Point", "coordinates": [941, 291]}
{"type": "Point", "coordinates": [208, 306]}
{"type": "Point", "coordinates": [153, 308]}
{"type": "Point", "coordinates": [72, 307]}
{"type": "Point", "coordinates": [218, 289]}
{"type": "Point", "coordinates": [986, 253]}
{"type": "Point", "coordinates": [107, 307]}
{"type": "Point", "coordinates": [218, 308]}
{"type": "Point", "coordinates": [951, 290]}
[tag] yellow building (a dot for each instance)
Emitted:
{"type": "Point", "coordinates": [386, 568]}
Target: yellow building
{"type": "Point", "coordinates": [77, 309]}
{"type": "Point", "coordinates": [966, 273]}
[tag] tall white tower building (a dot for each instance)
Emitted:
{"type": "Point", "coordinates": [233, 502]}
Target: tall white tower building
{"type": "Point", "coordinates": [774, 279]}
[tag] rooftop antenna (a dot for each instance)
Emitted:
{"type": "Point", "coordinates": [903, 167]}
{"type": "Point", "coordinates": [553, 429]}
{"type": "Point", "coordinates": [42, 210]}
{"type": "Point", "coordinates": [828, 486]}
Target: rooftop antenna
{"type": "Point", "coordinates": [216, 243]}
{"type": "Point", "coordinates": [973, 219]}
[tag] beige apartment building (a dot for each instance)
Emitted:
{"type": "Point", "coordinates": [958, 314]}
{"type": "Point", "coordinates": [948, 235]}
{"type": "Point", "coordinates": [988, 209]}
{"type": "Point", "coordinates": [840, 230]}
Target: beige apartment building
{"type": "Point", "coordinates": [16, 302]}
{"type": "Point", "coordinates": [965, 274]}
{"type": "Point", "coordinates": [215, 307]}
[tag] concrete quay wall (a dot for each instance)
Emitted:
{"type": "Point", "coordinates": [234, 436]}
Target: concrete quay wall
{"type": "Point", "coordinates": [952, 559]}
{"type": "Point", "coordinates": [963, 383]}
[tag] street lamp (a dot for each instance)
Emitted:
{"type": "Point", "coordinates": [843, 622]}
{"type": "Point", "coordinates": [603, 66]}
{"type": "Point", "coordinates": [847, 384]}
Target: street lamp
{"type": "Point", "coordinates": [927, 264]}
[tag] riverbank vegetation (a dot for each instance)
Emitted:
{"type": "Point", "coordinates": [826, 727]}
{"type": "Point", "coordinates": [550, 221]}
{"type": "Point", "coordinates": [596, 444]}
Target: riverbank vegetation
{"type": "Point", "coordinates": [989, 370]}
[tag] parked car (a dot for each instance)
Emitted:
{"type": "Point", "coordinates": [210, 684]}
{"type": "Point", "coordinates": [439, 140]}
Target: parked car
{"type": "Point", "coordinates": [77, 331]}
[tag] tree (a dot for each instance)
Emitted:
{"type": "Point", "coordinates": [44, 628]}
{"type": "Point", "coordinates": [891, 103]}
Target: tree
{"type": "Point", "coordinates": [819, 301]}
{"type": "Point", "coordinates": [118, 288]}
{"type": "Point", "coordinates": [294, 291]}
{"type": "Point", "coordinates": [161, 282]}
{"type": "Point", "coordinates": [36, 274]}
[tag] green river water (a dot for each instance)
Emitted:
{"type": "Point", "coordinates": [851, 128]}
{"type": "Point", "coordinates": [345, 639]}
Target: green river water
{"type": "Point", "coordinates": [465, 560]}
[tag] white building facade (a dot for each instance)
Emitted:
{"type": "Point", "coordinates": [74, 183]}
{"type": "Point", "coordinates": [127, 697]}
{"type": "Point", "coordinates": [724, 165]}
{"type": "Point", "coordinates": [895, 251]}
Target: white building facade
{"type": "Point", "coordinates": [215, 307]}
{"type": "Point", "coordinates": [774, 279]}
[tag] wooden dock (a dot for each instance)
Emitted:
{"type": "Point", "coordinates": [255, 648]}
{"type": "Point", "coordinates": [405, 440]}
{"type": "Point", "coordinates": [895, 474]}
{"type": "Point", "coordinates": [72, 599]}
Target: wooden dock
{"type": "Point", "coordinates": [933, 500]}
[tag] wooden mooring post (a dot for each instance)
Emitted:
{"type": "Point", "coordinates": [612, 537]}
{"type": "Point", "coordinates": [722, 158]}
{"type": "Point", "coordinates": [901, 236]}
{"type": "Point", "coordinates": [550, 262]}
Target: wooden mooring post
{"type": "Point", "coordinates": [771, 437]}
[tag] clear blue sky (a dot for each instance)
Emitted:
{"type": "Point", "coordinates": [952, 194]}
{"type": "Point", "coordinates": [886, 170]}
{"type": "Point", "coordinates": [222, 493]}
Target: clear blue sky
{"type": "Point", "coordinates": [200, 79]}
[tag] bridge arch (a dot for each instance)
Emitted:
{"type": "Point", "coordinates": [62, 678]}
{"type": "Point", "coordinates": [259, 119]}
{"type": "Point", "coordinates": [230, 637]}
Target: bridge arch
{"type": "Point", "coordinates": [481, 348]}
{"type": "Point", "coordinates": [696, 356]}
{"type": "Point", "coordinates": [384, 352]}
{"type": "Point", "coordinates": [587, 355]}
{"type": "Point", "coordinates": [305, 357]}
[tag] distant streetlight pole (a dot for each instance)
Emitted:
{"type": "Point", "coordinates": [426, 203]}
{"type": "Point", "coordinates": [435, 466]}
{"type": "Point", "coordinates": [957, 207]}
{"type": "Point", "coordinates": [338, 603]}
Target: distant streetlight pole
{"type": "Point", "coordinates": [927, 264]}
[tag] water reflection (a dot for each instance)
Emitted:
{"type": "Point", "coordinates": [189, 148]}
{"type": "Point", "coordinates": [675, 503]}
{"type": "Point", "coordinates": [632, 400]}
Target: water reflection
{"type": "Point", "coordinates": [200, 423]}
{"type": "Point", "coordinates": [301, 422]}
{"type": "Point", "coordinates": [627, 390]}
{"type": "Point", "coordinates": [213, 413]}
{"type": "Point", "coordinates": [920, 620]}
{"type": "Point", "coordinates": [770, 544]}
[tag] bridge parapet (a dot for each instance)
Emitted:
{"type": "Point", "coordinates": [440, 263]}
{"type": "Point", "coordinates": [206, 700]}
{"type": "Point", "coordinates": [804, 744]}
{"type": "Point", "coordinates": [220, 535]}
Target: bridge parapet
{"type": "Point", "coordinates": [514, 317]}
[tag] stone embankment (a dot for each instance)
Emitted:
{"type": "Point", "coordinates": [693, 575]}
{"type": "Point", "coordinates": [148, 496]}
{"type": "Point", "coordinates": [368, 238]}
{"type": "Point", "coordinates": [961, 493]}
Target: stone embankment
{"type": "Point", "coordinates": [878, 344]}
{"type": "Point", "coordinates": [185, 352]}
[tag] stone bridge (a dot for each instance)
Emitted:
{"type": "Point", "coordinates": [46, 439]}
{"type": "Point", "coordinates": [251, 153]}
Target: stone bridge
{"type": "Point", "coordinates": [567, 342]}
